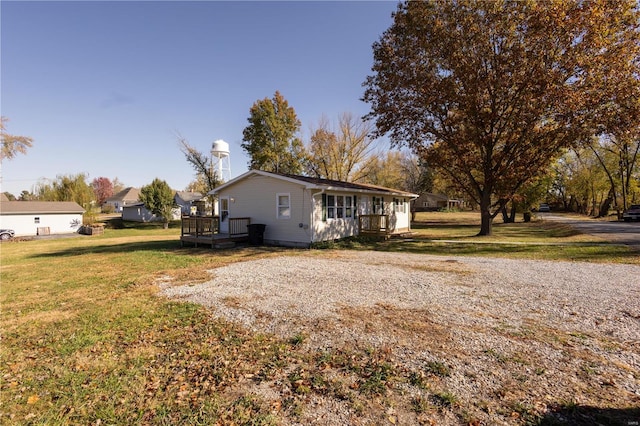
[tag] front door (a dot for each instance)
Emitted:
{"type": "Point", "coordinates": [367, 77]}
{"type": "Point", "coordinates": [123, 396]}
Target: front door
{"type": "Point", "coordinates": [224, 215]}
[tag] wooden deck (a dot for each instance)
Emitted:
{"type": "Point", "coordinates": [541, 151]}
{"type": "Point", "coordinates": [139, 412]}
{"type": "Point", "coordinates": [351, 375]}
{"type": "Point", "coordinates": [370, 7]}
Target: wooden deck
{"type": "Point", "coordinates": [374, 225]}
{"type": "Point", "coordinates": [205, 230]}
{"type": "Point", "coordinates": [217, 241]}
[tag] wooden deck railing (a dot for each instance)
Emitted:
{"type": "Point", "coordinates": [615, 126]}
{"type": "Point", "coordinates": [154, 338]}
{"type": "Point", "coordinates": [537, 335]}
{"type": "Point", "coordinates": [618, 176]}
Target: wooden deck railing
{"type": "Point", "coordinates": [377, 224]}
{"type": "Point", "coordinates": [200, 225]}
{"type": "Point", "coordinates": [206, 230]}
{"type": "Point", "coordinates": [238, 225]}
{"type": "Point", "coordinates": [209, 225]}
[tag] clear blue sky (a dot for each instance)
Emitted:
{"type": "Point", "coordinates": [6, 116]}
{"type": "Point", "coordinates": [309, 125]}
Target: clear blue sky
{"type": "Point", "coordinates": [103, 87]}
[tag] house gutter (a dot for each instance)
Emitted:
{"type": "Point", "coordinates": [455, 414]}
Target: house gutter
{"type": "Point", "coordinates": [367, 191]}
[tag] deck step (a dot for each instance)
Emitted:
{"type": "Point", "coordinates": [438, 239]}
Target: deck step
{"type": "Point", "coordinates": [224, 245]}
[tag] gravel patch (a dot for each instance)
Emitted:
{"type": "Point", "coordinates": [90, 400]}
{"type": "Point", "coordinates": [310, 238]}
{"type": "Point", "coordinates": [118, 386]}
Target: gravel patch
{"type": "Point", "coordinates": [520, 329]}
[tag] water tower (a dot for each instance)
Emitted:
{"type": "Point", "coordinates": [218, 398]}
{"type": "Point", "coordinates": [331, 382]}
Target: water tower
{"type": "Point", "coordinates": [220, 161]}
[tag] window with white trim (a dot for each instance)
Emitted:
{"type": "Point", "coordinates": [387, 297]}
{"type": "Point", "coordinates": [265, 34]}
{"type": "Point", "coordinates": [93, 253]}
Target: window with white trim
{"type": "Point", "coordinates": [339, 207]}
{"type": "Point", "coordinates": [378, 205]}
{"type": "Point", "coordinates": [283, 203]}
{"type": "Point", "coordinates": [399, 205]}
{"type": "Point", "coordinates": [331, 206]}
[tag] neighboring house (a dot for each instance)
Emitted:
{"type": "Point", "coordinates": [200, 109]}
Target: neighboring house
{"type": "Point", "coordinates": [432, 202]}
{"type": "Point", "coordinates": [190, 203]}
{"type": "Point", "coordinates": [138, 213]}
{"type": "Point", "coordinates": [40, 217]}
{"type": "Point", "coordinates": [299, 211]}
{"type": "Point", "coordinates": [126, 197]}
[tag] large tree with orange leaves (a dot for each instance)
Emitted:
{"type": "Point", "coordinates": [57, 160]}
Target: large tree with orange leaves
{"type": "Point", "coordinates": [492, 91]}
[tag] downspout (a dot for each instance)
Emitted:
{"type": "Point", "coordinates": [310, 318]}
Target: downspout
{"type": "Point", "coordinates": [313, 214]}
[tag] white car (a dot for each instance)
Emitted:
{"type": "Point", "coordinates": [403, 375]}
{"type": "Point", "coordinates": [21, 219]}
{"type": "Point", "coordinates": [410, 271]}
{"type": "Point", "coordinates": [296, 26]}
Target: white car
{"type": "Point", "coordinates": [544, 208]}
{"type": "Point", "coordinates": [6, 234]}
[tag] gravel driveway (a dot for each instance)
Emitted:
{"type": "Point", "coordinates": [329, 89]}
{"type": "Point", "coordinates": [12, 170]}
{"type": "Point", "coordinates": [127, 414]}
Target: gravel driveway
{"type": "Point", "coordinates": [488, 319]}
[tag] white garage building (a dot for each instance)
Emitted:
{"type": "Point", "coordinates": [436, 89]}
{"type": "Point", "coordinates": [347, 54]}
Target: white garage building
{"type": "Point", "coordinates": [40, 217]}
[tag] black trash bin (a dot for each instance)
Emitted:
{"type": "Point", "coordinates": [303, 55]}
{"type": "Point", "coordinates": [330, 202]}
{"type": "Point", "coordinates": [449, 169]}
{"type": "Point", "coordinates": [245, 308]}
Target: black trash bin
{"type": "Point", "coordinates": [256, 233]}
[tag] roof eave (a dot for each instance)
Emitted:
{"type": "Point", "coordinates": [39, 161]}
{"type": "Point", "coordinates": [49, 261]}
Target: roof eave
{"type": "Point", "coordinates": [365, 191]}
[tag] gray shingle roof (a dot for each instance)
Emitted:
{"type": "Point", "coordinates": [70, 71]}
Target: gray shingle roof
{"type": "Point", "coordinates": [29, 207]}
{"type": "Point", "coordinates": [345, 185]}
{"type": "Point", "coordinates": [128, 194]}
{"type": "Point", "coordinates": [189, 196]}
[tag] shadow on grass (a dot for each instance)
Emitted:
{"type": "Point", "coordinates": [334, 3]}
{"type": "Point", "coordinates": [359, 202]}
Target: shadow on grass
{"type": "Point", "coordinates": [572, 252]}
{"type": "Point", "coordinates": [533, 251]}
{"type": "Point", "coordinates": [169, 245]}
{"type": "Point", "coordinates": [473, 229]}
{"type": "Point", "coordinates": [537, 229]}
{"type": "Point", "coordinates": [118, 223]}
{"type": "Point", "coordinates": [156, 245]}
{"type": "Point", "coordinates": [587, 416]}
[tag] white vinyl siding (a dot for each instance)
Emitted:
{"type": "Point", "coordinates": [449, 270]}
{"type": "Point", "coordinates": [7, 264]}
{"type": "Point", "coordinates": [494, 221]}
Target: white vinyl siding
{"type": "Point", "coordinates": [399, 205]}
{"type": "Point", "coordinates": [315, 213]}
{"type": "Point", "coordinates": [257, 198]}
{"type": "Point", "coordinates": [28, 224]}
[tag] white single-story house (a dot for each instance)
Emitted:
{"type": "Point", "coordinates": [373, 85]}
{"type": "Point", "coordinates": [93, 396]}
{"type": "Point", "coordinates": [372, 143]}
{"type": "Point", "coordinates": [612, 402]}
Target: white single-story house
{"type": "Point", "coordinates": [299, 210]}
{"type": "Point", "coordinates": [40, 217]}
{"type": "Point", "coordinates": [126, 197]}
{"type": "Point", "coordinates": [190, 202]}
{"type": "Point", "coordinates": [138, 213]}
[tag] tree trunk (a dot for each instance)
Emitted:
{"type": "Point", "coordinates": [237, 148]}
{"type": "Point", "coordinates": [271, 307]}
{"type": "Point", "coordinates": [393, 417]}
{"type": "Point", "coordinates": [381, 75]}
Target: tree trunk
{"type": "Point", "coordinates": [505, 216]}
{"type": "Point", "coordinates": [486, 219]}
{"type": "Point", "coordinates": [165, 225]}
{"type": "Point", "coordinates": [509, 216]}
{"type": "Point", "coordinates": [604, 208]}
{"type": "Point", "coordinates": [486, 222]}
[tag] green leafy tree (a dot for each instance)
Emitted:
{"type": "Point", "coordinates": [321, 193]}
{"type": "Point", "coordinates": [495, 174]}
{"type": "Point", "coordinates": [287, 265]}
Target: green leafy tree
{"type": "Point", "coordinates": [528, 195]}
{"type": "Point", "coordinates": [158, 199]}
{"type": "Point", "coordinates": [580, 182]}
{"type": "Point", "coordinates": [492, 91]}
{"type": "Point", "coordinates": [271, 139]}
{"type": "Point", "coordinates": [618, 156]}
{"type": "Point", "coordinates": [27, 196]}
{"type": "Point", "coordinates": [67, 188]}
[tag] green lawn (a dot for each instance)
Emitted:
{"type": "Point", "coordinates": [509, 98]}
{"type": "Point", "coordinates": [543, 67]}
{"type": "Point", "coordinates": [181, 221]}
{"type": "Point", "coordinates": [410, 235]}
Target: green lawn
{"type": "Point", "coordinates": [85, 337]}
{"type": "Point", "coordinates": [86, 340]}
{"type": "Point", "coordinates": [455, 233]}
